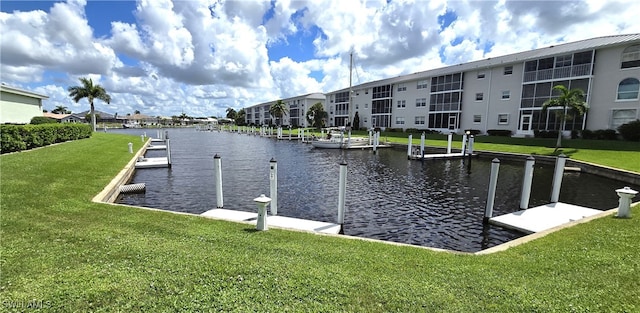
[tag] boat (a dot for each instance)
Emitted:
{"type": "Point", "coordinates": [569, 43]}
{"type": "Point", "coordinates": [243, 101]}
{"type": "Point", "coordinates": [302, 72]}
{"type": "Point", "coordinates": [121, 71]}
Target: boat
{"type": "Point", "coordinates": [334, 140]}
{"type": "Point", "coordinates": [131, 125]}
{"type": "Point", "coordinates": [337, 140]}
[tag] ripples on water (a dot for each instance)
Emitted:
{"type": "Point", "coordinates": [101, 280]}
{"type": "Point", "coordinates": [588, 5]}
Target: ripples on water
{"type": "Point", "coordinates": [433, 203]}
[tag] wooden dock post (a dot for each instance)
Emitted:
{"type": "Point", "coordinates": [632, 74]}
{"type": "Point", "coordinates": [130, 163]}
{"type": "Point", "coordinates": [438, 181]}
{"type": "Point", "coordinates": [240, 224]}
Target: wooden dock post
{"type": "Point", "coordinates": [342, 190]}
{"type": "Point", "coordinates": [557, 178]}
{"type": "Point", "coordinates": [493, 182]}
{"type": "Point", "coordinates": [273, 180]}
{"type": "Point", "coordinates": [218, 180]}
{"type": "Point", "coordinates": [526, 183]}
{"type": "Point", "coordinates": [409, 146]}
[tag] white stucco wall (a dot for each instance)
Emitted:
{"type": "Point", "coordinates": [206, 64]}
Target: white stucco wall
{"type": "Point", "coordinates": [17, 108]}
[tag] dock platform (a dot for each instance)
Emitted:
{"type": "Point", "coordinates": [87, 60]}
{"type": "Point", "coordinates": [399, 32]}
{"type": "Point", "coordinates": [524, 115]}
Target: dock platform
{"type": "Point", "coordinates": [157, 147]}
{"type": "Point", "coordinates": [543, 217]}
{"type": "Point", "coordinates": [152, 162]}
{"type": "Point", "coordinates": [157, 140]}
{"type": "Point", "coordinates": [366, 147]}
{"type": "Point", "coordinates": [432, 156]}
{"type": "Point", "coordinates": [275, 221]}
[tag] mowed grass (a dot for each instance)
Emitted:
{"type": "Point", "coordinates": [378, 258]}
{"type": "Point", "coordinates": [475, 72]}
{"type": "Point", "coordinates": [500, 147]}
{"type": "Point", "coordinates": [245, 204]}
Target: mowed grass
{"type": "Point", "coordinates": [613, 153]}
{"type": "Point", "coordinates": [62, 253]}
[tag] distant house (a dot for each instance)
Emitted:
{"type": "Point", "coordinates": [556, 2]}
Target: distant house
{"type": "Point", "coordinates": [18, 106]}
{"type": "Point", "coordinates": [141, 119]}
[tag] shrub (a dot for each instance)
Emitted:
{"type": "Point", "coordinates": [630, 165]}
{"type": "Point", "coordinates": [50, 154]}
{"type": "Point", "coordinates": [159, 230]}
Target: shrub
{"type": "Point", "coordinates": [630, 131]}
{"type": "Point", "coordinates": [587, 134]}
{"type": "Point", "coordinates": [42, 120]}
{"type": "Point", "coordinates": [21, 137]}
{"type": "Point", "coordinates": [499, 132]}
{"type": "Point", "coordinates": [606, 134]}
{"type": "Point", "coordinates": [545, 133]}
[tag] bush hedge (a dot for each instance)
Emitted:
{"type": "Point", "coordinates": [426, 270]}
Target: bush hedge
{"type": "Point", "coordinates": [23, 137]}
{"type": "Point", "coordinates": [630, 131]}
{"type": "Point", "coordinates": [600, 134]}
{"type": "Point", "coordinates": [545, 133]}
{"type": "Point", "coordinates": [499, 132]}
{"type": "Point", "coordinates": [42, 120]}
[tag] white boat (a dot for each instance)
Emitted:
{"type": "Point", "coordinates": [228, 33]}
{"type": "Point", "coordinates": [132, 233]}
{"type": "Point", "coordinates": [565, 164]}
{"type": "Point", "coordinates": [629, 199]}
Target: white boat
{"type": "Point", "coordinates": [337, 140]}
{"type": "Point", "coordinates": [334, 140]}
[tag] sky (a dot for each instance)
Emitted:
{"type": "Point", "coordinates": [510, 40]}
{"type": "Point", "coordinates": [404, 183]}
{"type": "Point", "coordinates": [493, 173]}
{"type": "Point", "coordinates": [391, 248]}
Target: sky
{"type": "Point", "coordinates": [164, 57]}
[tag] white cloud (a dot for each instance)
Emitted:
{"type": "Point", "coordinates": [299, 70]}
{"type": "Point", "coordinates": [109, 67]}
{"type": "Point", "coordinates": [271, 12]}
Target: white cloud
{"type": "Point", "coordinates": [205, 56]}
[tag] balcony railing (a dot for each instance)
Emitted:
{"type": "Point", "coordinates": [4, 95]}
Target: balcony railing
{"type": "Point", "coordinates": [561, 72]}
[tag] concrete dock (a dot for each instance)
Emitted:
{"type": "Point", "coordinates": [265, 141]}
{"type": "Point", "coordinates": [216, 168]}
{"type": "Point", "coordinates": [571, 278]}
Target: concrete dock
{"type": "Point", "coordinates": [275, 221]}
{"type": "Point", "coordinates": [543, 217]}
{"type": "Point", "coordinates": [152, 162]}
{"type": "Point", "coordinates": [432, 156]}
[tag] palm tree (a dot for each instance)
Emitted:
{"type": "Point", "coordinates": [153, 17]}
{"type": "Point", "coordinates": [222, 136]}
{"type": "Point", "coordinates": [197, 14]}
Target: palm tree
{"type": "Point", "coordinates": [316, 115]}
{"type": "Point", "coordinates": [567, 102]}
{"type": "Point", "coordinates": [240, 117]}
{"type": "Point", "coordinates": [278, 110]}
{"type": "Point", "coordinates": [90, 91]}
{"type": "Point", "coordinates": [231, 113]}
{"type": "Point", "coordinates": [61, 109]}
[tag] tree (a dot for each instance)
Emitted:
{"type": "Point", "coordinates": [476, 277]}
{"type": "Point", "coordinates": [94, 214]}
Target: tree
{"type": "Point", "coordinates": [136, 112]}
{"type": "Point", "coordinates": [567, 102]}
{"type": "Point", "coordinates": [316, 115]}
{"type": "Point", "coordinates": [356, 121]}
{"type": "Point", "coordinates": [90, 91]}
{"type": "Point", "coordinates": [231, 113]}
{"type": "Point", "coordinates": [61, 109]}
{"type": "Point", "coordinates": [240, 117]}
{"type": "Point", "coordinates": [278, 109]}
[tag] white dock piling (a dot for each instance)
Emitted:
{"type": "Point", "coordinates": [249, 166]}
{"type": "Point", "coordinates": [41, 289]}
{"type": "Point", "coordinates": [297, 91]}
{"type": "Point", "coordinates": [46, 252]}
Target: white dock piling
{"type": "Point", "coordinates": [493, 182]}
{"type": "Point", "coordinates": [262, 202]}
{"type": "Point", "coordinates": [464, 144]}
{"type": "Point", "coordinates": [273, 183]}
{"type": "Point", "coordinates": [166, 134]}
{"type": "Point", "coordinates": [142, 138]}
{"type": "Point", "coordinates": [370, 137]}
{"type": "Point", "coordinates": [289, 133]}
{"type": "Point", "coordinates": [557, 177]}
{"type": "Point", "coordinates": [376, 137]}
{"type": "Point", "coordinates": [168, 152]}
{"type": "Point", "coordinates": [342, 190]}
{"type": "Point", "coordinates": [217, 166]}
{"type": "Point", "coordinates": [422, 137]}
{"type": "Point", "coordinates": [130, 147]}
{"type": "Point", "coordinates": [624, 203]}
{"type": "Point", "coordinates": [409, 146]}
{"type": "Point", "coordinates": [349, 140]}
{"type": "Point", "coordinates": [470, 145]}
{"type": "Point", "coordinates": [526, 183]}
{"type": "Point", "coordinates": [449, 140]}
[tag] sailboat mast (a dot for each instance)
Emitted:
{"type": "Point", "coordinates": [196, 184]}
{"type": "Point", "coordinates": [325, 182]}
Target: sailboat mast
{"type": "Point", "coordinates": [350, 91]}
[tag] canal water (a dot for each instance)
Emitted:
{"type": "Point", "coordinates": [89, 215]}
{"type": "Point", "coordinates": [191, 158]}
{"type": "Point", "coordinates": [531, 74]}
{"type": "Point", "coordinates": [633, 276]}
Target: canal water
{"type": "Point", "coordinates": [435, 203]}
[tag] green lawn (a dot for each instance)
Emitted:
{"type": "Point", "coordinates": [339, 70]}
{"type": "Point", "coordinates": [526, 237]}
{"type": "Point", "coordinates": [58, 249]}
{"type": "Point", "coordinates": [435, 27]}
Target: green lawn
{"type": "Point", "coordinates": [61, 252]}
{"type": "Point", "coordinates": [618, 154]}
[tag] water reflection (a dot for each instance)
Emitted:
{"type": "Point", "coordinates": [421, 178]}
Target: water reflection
{"type": "Point", "coordinates": [435, 203]}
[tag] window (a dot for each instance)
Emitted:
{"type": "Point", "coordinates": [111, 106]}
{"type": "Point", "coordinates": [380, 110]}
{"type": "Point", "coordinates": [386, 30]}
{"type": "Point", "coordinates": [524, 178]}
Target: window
{"type": "Point", "coordinates": [422, 102]}
{"type": "Point", "coordinates": [402, 104]}
{"type": "Point", "coordinates": [480, 75]}
{"type": "Point", "coordinates": [506, 94]}
{"type": "Point", "coordinates": [477, 119]}
{"type": "Point", "coordinates": [420, 120]}
{"type": "Point", "coordinates": [402, 87]}
{"type": "Point", "coordinates": [503, 119]}
{"type": "Point", "coordinates": [619, 117]}
{"type": "Point", "coordinates": [366, 105]}
{"type": "Point", "coordinates": [422, 84]}
{"type": "Point", "coordinates": [399, 120]}
{"type": "Point", "coordinates": [508, 70]}
{"type": "Point", "coordinates": [631, 57]}
{"type": "Point", "coordinates": [628, 89]}
{"type": "Point", "coordinates": [479, 96]}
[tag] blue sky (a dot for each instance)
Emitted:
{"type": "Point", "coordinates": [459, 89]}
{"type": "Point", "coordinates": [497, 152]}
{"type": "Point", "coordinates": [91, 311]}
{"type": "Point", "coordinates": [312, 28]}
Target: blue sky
{"type": "Point", "coordinates": [162, 56]}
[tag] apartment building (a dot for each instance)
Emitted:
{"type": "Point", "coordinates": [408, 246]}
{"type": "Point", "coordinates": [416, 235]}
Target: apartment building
{"type": "Point", "coordinates": [505, 92]}
{"type": "Point", "coordinates": [297, 108]}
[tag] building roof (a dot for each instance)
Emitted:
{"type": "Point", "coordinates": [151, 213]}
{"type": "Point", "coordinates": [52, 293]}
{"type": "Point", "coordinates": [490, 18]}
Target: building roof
{"type": "Point", "coordinates": [55, 115]}
{"type": "Point", "coordinates": [22, 92]}
{"type": "Point", "coordinates": [515, 58]}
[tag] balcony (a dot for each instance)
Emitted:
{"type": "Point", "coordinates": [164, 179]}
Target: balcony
{"type": "Point", "coordinates": [558, 73]}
